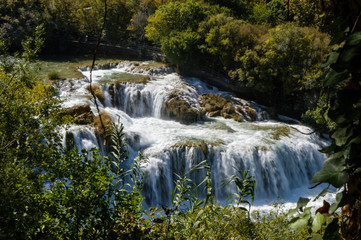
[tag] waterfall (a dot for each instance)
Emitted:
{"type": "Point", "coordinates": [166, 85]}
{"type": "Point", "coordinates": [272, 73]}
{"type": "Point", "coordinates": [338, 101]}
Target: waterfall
{"type": "Point", "coordinates": [280, 158]}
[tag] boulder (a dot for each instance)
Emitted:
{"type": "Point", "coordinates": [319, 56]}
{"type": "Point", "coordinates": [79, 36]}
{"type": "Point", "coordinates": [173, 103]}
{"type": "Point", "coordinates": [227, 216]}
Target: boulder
{"type": "Point", "coordinates": [81, 114]}
{"type": "Point", "coordinates": [211, 102]}
{"type": "Point", "coordinates": [179, 109]}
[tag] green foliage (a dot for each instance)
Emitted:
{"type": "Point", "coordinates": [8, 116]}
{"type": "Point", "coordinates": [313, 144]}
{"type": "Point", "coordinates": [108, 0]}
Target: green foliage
{"type": "Point", "coordinates": [229, 222]}
{"type": "Point", "coordinates": [238, 7]}
{"type": "Point", "coordinates": [245, 188]}
{"type": "Point", "coordinates": [227, 38]}
{"type": "Point", "coordinates": [25, 150]}
{"type": "Point", "coordinates": [78, 198]}
{"type": "Point", "coordinates": [269, 12]}
{"type": "Point", "coordinates": [18, 19]}
{"type": "Point", "coordinates": [342, 168]}
{"type": "Point", "coordinates": [183, 47]}
{"type": "Point", "coordinates": [306, 12]}
{"type": "Point", "coordinates": [285, 62]}
{"type": "Point", "coordinates": [321, 225]}
{"type": "Point", "coordinates": [174, 27]}
{"type": "Point", "coordinates": [53, 76]}
{"type": "Point", "coordinates": [344, 110]}
{"type": "Point", "coordinates": [48, 192]}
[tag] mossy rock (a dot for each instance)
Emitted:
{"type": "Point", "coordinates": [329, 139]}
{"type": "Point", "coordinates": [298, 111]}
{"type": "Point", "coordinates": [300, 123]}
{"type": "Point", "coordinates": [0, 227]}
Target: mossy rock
{"type": "Point", "coordinates": [195, 142]}
{"type": "Point", "coordinates": [81, 114]}
{"type": "Point", "coordinates": [149, 65]}
{"type": "Point", "coordinates": [180, 109]}
{"type": "Point", "coordinates": [280, 132]}
{"type": "Point", "coordinates": [203, 145]}
{"type": "Point", "coordinates": [238, 118]}
{"type": "Point", "coordinates": [119, 78]}
{"type": "Point", "coordinates": [251, 112]}
{"type": "Point", "coordinates": [228, 109]}
{"type": "Point", "coordinates": [105, 128]}
{"type": "Point", "coordinates": [97, 92]}
{"type": "Point", "coordinates": [215, 113]}
{"type": "Point", "coordinates": [276, 132]}
{"type": "Point", "coordinates": [212, 102]}
{"type": "Point", "coordinates": [220, 126]}
{"type": "Point", "coordinates": [227, 116]}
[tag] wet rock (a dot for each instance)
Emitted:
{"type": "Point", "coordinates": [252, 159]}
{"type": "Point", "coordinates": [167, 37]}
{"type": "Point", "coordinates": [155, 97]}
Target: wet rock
{"type": "Point", "coordinates": [81, 114]}
{"type": "Point", "coordinates": [211, 103]}
{"type": "Point", "coordinates": [179, 109]}
{"type": "Point", "coordinates": [228, 107]}
{"type": "Point", "coordinates": [238, 118]}
{"type": "Point", "coordinates": [251, 112]}
{"type": "Point", "coordinates": [215, 113]}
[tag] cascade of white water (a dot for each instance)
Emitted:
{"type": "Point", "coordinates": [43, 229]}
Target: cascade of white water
{"type": "Point", "coordinates": [280, 158]}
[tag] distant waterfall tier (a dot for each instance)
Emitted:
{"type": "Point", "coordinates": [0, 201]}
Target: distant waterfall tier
{"type": "Point", "coordinates": [166, 96]}
{"type": "Point", "coordinates": [178, 122]}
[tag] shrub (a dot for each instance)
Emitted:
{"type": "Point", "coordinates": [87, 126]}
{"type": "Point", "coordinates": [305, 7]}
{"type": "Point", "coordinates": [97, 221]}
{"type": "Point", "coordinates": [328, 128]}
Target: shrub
{"type": "Point", "coordinates": [53, 76]}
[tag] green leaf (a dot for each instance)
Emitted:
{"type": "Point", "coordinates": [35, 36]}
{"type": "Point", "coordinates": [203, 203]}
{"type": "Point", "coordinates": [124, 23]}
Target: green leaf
{"type": "Point", "coordinates": [318, 221]}
{"type": "Point", "coordinates": [334, 77]}
{"type": "Point", "coordinates": [349, 59]}
{"type": "Point", "coordinates": [300, 222]}
{"type": "Point", "coordinates": [292, 212]}
{"type": "Point", "coordinates": [341, 200]}
{"type": "Point", "coordinates": [316, 237]}
{"type": "Point", "coordinates": [328, 149]}
{"type": "Point", "coordinates": [332, 172]}
{"type": "Point", "coordinates": [302, 202]}
{"type": "Point", "coordinates": [338, 38]}
{"type": "Point", "coordinates": [335, 205]}
{"type": "Point", "coordinates": [322, 194]}
{"type": "Point", "coordinates": [332, 58]}
{"type": "Point", "coordinates": [341, 135]}
{"type": "Point", "coordinates": [354, 39]}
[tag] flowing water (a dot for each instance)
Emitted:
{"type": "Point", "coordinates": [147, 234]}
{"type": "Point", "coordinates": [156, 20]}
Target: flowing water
{"type": "Point", "coordinates": [281, 159]}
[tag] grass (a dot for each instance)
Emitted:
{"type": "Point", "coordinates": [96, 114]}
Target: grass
{"type": "Point", "coordinates": [148, 65]}
{"type": "Point", "coordinates": [67, 67]}
{"type": "Point", "coordinates": [125, 77]}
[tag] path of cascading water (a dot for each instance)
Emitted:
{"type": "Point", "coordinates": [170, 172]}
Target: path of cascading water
{"type": "Point", "coordinates": [281, 159]}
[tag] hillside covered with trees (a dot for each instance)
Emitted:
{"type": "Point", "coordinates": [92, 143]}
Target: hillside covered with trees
{"type": "Point", "coordinates": [299, 58]}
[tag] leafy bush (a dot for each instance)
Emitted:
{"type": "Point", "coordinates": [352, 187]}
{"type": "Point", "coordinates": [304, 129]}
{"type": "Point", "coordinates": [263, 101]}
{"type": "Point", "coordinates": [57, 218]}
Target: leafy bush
{"type": "Point", "coordinates": [53, 76]}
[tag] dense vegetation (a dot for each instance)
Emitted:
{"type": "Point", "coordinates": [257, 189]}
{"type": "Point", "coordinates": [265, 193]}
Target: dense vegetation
{"type": "Point", "coordinates": [272, 47]}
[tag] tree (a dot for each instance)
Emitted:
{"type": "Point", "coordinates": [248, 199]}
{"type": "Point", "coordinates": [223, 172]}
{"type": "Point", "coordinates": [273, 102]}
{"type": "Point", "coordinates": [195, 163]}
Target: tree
{"type": "Point", "coordinates": [227, 38]}
{"type": "Point", "coordinates": [174, 27]}
{"type": "Point", "coordinates": [285, 62]}
{"type": "Point", "coordinates": [17, 20]}
{"type": "Point", "coordinates": [29, 139]}
{"type": "Point", "coordinates": [238, 7]}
